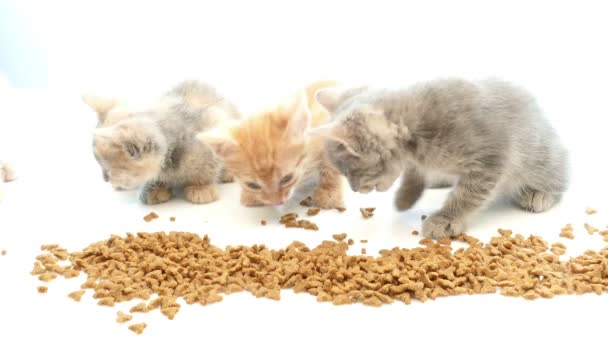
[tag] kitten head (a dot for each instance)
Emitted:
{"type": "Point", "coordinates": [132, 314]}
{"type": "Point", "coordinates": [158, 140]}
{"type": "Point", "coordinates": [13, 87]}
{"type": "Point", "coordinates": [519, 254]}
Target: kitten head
{"type": "Point", "coordinates": [361, 142]}
{"type": "Point", "coordinates": [266, 152]}
{"type": "Point", "coordinates": [130, 153]}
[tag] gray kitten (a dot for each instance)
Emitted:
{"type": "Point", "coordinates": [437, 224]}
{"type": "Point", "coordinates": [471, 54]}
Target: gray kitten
{"type": "Point", "coordinates": [155, 146]}
{"type": "Point", "coordinates": [488, 135]}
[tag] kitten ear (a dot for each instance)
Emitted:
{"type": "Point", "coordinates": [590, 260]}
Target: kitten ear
{"type": "Point", "coordinates": [300, 120]}
{"type": "Point", "coordinates": [101, 105]}
{"type": "Point", "coordinates": [220, 141]}
{"type": "Point", "coordinates": [329, 98]}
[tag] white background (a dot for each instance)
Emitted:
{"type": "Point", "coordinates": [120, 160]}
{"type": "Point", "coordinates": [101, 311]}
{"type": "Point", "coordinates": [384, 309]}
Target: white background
{"type": "Point", "coordinates": [255, 52]}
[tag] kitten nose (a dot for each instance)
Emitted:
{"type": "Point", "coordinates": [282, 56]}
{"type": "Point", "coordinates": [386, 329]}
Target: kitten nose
{"type": "Point", "coordinates": [279, 202]}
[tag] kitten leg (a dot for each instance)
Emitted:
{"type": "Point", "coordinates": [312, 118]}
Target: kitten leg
{"type": "Point", "coordinates": [155, 193]}
{"type": "Point", "coordinates": [328, 194]}
{"type": "Point", "coordinates": [201, 194]}
{"type": "Point", "coordinates": [471, 192]}
{"type": "Point", "coordinates": [225, 176]}
{"type": "Point", "coordinates": [410, 190]}
{"type": "Point", "coordinates": [249, 200]}
{"type": "Point", "coordinates": [534, 200]}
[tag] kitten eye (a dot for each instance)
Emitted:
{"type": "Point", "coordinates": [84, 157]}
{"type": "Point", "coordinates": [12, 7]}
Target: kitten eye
{"type": "Point", "coordinates": [286, 179]}
{"type": "Point", "coordinates": [253, 186]}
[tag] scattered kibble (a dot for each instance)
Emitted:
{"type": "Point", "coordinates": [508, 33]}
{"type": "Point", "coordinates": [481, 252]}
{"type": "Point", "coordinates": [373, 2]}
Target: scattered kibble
{"type": "Point", "coordinates": [290, 220]}
{"type": "Point", "coordinates": [590, 229]}
{"type": "Point", "coordinates": [415, 232]}
{"type": "Point", "coordinates": [363, 241]}
{"type": "Point", "coordinates": [172, 219]}
{"type": "Point", "coordinates": [339, 237]}
{"type": "Point", "coordinates": [77, 295]}
{"type": "Point", "coordinates": [123, 317]}
{"type": "Point", "coordinates": [567, 232]}
{"type": "Point", "coordinates": [367, 212]}
{"type": "Point", "coordinates": [42, 289]}
{"type": "Point", "coordinates": [3, 252]}
{"type": "Point", "coordinates": [263, 222]}
{"type": "Point", "coordinates": [313, 211]}
{"type": "Point", "coordinates": [423, 217]}
{"type": "Point", "coordinates": [590, 211]}
{"type": "Point", "coordinates": [151, 216]}
{"type": "Point", "coordinates": [363, 251]}
{"type": "Point", "coordinates": [341, 209]}
{"type": "Point", "coordinates": [138, 328]}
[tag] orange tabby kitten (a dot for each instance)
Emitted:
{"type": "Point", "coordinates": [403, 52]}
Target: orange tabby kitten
{"type": "Point", "coordinates": [274, 160]}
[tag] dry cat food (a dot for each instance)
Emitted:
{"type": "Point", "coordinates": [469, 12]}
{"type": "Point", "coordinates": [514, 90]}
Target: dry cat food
{"type": "Point", "coordinates": [590, 211]}
{"type": "Point", "coordinates": [423, 217]}
{"type": "Point", "coordinates": [172, 219]}
{"type": "Point", "coordinates": [151, 216]}
{"type": "Point", "coordinates": [367, 212]}
{"type": "Point", "coordinates": [350, 242]}
{"type": "Point", "coordinates": [590, 229]}
{"type": "Point", "coordinates": [77, 295]}
{"type": "Point", "coordinates": [155, 270]}
{"type": "Point", "coordinates": [363, 241]}
{"type": "Point", "coordinates": [3, 252]}
{"type": "Point", "coordinates": [339, 237]}
{"type": "Point", "coordinates": [290, 220]}
{"type": "Point", "coordinates": [558, 248]}
{"type": "Point", "coordinates": [122, 317]}
{"type": "Point", "coordinates": [43, 289]}
{"type": "Point", "coordinates": [567, 232]}
{"type": "Point", "coordinates": [363, 251]}
{"type": "Point", "coordinates": [263, 222]}
{"type": "Point", "coordinates": [138, 328]}
{"type": "Point", "coordinates": [313, 211]}
{"type": "Point", "coordinates": [341, 209]}
{"type": "Point", "coordinates": [415, 232]}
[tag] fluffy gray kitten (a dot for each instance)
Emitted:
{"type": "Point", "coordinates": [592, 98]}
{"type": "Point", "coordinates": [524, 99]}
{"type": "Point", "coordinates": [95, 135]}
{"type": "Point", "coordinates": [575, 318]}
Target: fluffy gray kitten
{"type": "Point", "coordinates": [488, 135]}
{"type": "Point", "coordinates": [155, 146]}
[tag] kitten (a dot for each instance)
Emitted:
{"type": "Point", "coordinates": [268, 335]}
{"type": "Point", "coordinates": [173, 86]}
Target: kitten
{"type": "Point", "coordinates": [274, 160]}
{"type": "Point", "coordinates": [7, 174]}
{"type": "Point", "coordinates": [156, 147]}
{"type": "Point", "coordinates": [489, 134]}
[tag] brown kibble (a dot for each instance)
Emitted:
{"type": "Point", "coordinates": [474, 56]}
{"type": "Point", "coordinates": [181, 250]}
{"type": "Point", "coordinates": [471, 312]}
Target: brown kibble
{"type": "Point", "coordinates": [77, 295]}
{"type": "Point", "coordinates": [141, 307]}
{"type": "Point", "coordinates": [363, 241]}
{"type": "Point", "coordinates": [138, 328]}
{"type": "Point", "coordinates": [289, 217]}
{"type": "Point", "coordinates": [313, 211]}
{"type": "Point", "coordinates": [38, 269]}
{"type": "Point", "coordinates": [341, 209]}
{"type": "Point", "coordinates": [415, 232]}
{"type": "Point", "coordinates": [290, 221]}
{"type": "Point", "coordinates": [558, 248]}
{"type": "Point", "coordinates": [367, 212]}
{"type": "Point", "coordinates": [3, 252]}
{"type": "Point", "coordinates": [42, 289]}
{"type": "Point", "coordinates": [172, 219]}
{"type": "Point", "coordinates": [47, 276]}
{"type": "Point", "coordinates": [590, 211]}
{"type": "Point", "coordinates": [567, 232]}
{"type": "Point", "coordinates": [351, 242]}
{"type": "Point", "coordinates": [123, 317]}
{"type": "Point", "coordinates": [363, 251]}
{"type": "Point", "coordinates": [339, 237]}
{"type": "Point", "coordinates": [263, 222]}
{"type": "Point", "coordinates": [590, 229]}
{"type": "Point", "coordinates": [107, 301]}
{"type": "Point", "coordinates": [151, 216]}
{"type": "Point", "coordinates": [423, 217]}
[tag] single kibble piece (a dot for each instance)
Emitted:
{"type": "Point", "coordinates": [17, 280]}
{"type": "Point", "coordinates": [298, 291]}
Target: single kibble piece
{"type": "Point", "coordinates": [590, 211]}
{"type": "Point", "coordinates": [363, 251]}
{"type": "Point", "coordinates": [3, 252]}
{"type": "Point", "coordinates": [108, 301]}
{"type": "Point", "coordinates": [77, 295]}
{"type": "Point", "coordinates": [263, 222]}
{"type": "Point", "coordinates": [138, 328]}
{"type": "Point", "coordinates": [42, 289]}
{"type": "Point", "coordinates": [172, 219]}
{"type": "Point", "coordinates": [558, 248]}
{"type": "Point", "coordinates": [367, 212]}
{"type": "Point", "coordinates": [363, 241]}
{"type": "Point", "coordinates": [415, 232]}
{"type": "Point", "coordinates": [339, 237]}
{"type": "Point", "coordinates": [151, 216]}
{"type": "Point", "coordinates": [567, 232]}
{"type": "Point", "coordinates": [341, 209]}
{"type": "Point", "coordinates": [123, 317]}
{"type": "Point", "coordinates": [313, 211]}
{"type": "Point", "coordinates": [46, 277]}
{"type": "Point", "coordinates": [590, 229]}
{"type": "Point", "coordinates": [350, 242]}
{"type": "Point", "coordinates": [423, 217]}
{"type": "Point", "coordinates": [289, 217]}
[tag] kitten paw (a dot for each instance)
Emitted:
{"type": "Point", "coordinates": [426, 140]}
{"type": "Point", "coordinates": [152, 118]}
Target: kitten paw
{"type": "Point", "coordinates": [201, 194]}
{"type": "Point", "coordinates": [326, 200]}
{"type": "Point", "coordinates": [155, 195]}
{"type": "Point", "coordinates": [438, 226]}
{"type": "Point", "coordinates": [405, 200]}
{"type": "Point", "coordinates": [249, 200]}
{"type": "Point", "coordinates": [226, 177]}
{"type": "Point", "coordinates": [536, 201]}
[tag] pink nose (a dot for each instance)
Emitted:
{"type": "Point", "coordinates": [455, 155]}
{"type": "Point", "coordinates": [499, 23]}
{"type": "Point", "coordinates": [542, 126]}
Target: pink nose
{"type": "Point", "coordinates": [279, 202]}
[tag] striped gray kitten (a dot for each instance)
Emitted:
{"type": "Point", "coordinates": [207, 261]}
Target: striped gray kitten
{"type": "Point", "coordinates": [489, 135]}
{"type": "Point", "coordinates": [155, 147]}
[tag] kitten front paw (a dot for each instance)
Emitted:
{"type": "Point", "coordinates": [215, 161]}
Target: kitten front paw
{"type": "Point", "coordinates": [405, 200]}
{"type": "Point", "coordinates": [438, 226]}
{"type": "Point", "coordinates": [536, 201]}
{"type": "Point", "coordinates": [226, 177]}
{"type": "Point", "coordinates": [201, 194]}
{"type": "Point", "coordinates": [155, 194]}
{"type": "Point", "coordinates": [249, 200]}
{"type": "Point", "coordinates": [330, 199]}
